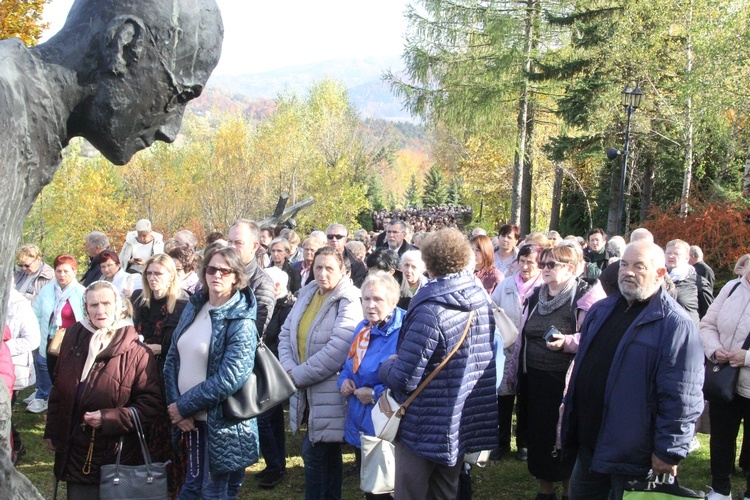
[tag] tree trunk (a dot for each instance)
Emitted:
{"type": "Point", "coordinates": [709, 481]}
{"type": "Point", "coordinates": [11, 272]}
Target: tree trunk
{"type": "Point", "coordinates": [646, 190]}
{"type": "Point", "coordinates": [628, 192]}
{"type": "Point", "coordinates": [613, 215]}
{"type": "Point", "coordinates": [554, 218]}
{"type": "Point", "coordinates": [687, 179]}
{"type": "Point", "coordinates": [528, 174]}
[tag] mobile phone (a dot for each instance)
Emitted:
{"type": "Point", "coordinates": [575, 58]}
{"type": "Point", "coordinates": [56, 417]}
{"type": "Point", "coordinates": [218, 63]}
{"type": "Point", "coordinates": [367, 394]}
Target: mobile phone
{"type": "Point", "coordinates": [552, 334]}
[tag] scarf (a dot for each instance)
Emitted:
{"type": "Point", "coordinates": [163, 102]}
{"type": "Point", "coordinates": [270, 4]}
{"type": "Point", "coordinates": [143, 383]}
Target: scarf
{"type": "Point", "coordinates": [102, 337]}
{"type": "Point", "coordinates": [548, 304]}
{"type": "Point", "coordinates": [679, 273]}
{"type": "Point", "coordinates": [61, 297]}
{"type": "Point", "coordinates": [524, 287]}
{"type": "Point", "coordinates": [359, 346]}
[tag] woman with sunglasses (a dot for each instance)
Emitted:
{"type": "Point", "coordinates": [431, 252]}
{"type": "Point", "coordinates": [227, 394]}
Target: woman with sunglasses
{"type": "Point", "coordinates": [553, 315]}
{"type": "Point", "coordinates": [211, 357]}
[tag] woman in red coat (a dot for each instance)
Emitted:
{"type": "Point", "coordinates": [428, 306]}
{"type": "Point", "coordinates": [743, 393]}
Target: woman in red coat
{"type": "Point", "coordinates": [102, 371]}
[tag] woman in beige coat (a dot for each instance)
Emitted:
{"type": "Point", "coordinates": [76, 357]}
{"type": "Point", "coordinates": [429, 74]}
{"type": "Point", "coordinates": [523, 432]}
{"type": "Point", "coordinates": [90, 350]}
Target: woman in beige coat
{"type": "Point", "coordinates": [313, 345]}
{"type": "Point", "coordinates": [724, 329]}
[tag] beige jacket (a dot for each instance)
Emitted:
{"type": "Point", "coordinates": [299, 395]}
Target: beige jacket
{"type": "Point", "coordinates": [727, 324]}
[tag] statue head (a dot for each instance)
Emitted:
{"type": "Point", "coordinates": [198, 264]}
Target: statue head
{"type": "Point", "coordinates": [138, 63]}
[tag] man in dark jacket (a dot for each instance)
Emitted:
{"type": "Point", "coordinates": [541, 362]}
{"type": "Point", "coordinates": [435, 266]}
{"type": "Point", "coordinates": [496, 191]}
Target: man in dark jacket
{"type": "Point", "coordinates": [688, 285]}
{"type": "Point", "coordinates": [595, 252]}
{"type": "Point", "coordinates": [636, 388]}
{"type": "Point", "coordinates": [707, 279]}
{"type": "Point", "coordinates": [337, 236]}
{"type": "Point", "coordinates": [395, 238]}
{"type": "Point", "coordinates": [96, 242]}
{"type": "Point", "coordinates": [244, 235]}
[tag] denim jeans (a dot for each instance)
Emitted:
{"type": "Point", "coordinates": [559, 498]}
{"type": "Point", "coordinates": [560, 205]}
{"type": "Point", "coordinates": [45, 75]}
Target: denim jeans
{"type": "Point", "coordinates": [273, 438]}
{"type": "Point", "coordinates": [199, 482]}
{"type": "Point", "coordinates": [43, 382]}
{"type": "Point", "coordinates": [586, 484]}
{"type": "Point", "coordinates": [324, 470]}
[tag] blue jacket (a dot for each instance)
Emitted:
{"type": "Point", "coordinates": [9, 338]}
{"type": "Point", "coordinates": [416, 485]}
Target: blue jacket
{"type": "Point", "coordinates": [456, 413]}
{"type": "Point", "coordinates": [232, 445]}
{"type": "Point", "coordinates": [653, 394]}
{"type": "Point", "coordinates": [382, 344]}
{"type": "Point", "coordinates": [44, 308]}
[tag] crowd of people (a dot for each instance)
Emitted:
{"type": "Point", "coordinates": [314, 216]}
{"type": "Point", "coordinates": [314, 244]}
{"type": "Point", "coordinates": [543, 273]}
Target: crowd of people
{"type": "Point", "coordinates": [603, 369]}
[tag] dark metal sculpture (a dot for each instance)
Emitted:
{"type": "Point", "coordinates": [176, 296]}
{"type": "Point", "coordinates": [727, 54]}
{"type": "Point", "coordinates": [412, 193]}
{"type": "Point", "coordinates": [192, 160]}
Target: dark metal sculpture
{"type": "Point", "coordinates": [119, 73]}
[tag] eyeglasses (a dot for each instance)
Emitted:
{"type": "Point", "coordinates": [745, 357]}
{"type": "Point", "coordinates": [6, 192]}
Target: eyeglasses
{"type": "Point", "coordinates": [27, 266]}
{"type": "Point", "coordinates": [223, 271]}
{"type": "Point", "coordinates": [551, 264]}
{"type": "Point", "coordinates": [335, 236]}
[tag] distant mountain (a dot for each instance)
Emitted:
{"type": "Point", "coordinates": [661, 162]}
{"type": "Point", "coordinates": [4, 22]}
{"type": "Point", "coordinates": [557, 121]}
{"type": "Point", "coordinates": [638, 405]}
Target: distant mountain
{"type": "Point", "coordinates": [362, 78]}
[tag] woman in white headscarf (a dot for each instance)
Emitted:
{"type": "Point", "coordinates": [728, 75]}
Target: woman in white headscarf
{"type": "Point", "coordinates": [104, 370]}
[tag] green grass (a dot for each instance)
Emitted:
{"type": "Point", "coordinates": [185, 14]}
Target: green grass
{"type": "Point", "coordinates": [506, 479]}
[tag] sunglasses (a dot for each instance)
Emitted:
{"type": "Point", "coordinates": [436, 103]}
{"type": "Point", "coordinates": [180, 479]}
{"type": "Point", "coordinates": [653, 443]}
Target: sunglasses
{"type": "Point", "coordinates": [25, 266]}
{"type": "Point", "coordinates": [223, 271]}
{"type": "Point", "coordinates": [335, 236]}
{"type": "Point", "coordinates": [551, 264]}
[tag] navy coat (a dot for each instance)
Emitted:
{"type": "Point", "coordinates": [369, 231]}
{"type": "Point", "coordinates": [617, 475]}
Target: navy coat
{"type": "Point", "coordinates": [456, 413]}
{"type": "Point", "coordinates": [654, 390]}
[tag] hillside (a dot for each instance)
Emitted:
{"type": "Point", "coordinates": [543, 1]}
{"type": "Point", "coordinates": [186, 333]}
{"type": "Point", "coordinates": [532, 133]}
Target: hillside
{"type": "Point", "coordinates": [362, 78]}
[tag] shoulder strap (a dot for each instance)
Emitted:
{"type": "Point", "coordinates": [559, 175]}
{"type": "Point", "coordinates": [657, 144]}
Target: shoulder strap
{"type": "Point", "coordinates": [734, 288]}
{"type": "Point", "coordinates": [432, 375]}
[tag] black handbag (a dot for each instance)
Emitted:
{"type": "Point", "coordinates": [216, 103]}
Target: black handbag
{"type": "Point", "coordinates": [721, 379]}
{"type": "Point", "coordinates": [134, 482]}
{"type": "Point", "coordinates": [269, 385]}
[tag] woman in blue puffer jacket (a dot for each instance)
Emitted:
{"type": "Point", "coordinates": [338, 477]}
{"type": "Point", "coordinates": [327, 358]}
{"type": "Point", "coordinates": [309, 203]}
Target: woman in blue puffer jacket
{"type": "Point", "coordinates": [456, 413]}
{"type": "Point", "coordinates": [374, 341]}
{"type": "Point", "coordinates": [211, 357]}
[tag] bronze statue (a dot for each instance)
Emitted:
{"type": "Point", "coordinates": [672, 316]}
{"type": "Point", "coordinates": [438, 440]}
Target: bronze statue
{"type": "Point", "coordinates": [119, 73]}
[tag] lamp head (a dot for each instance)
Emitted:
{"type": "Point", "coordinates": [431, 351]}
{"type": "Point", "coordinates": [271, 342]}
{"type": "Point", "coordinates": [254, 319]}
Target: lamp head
{"type": "Point", "coordinates": [613, 153]}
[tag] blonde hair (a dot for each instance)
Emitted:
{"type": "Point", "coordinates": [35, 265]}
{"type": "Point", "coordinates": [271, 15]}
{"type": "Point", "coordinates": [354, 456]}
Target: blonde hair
{"type": "Point", "coordinates": [383, 278]}
{"type": "Point", "coordinates": [29, 251]}
{"type": "Point", "coordinates": [173, 291]}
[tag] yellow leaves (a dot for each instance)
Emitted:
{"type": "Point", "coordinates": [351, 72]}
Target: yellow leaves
{"type": "Point", "coordinates": [22, 19]}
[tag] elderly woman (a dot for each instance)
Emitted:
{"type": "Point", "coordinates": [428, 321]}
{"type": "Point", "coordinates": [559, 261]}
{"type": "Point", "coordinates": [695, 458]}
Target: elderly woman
{"type": "Point", "coordinates": [32, 273]}
{"type": "Point", "coordinates": [109, 263]}
{"type": "Point", "coordinates": [374, 340]}
{"type": "Point", "coordinates": [484, 264]}
{"type": "Point", "coordinates": [506, 252]}
{"type": "Point", "coordinates": [103, 370]}
{"type": "Point", "coordinates": [58, 305]}
{"type": "Point", "coordinates": [547, 344]}
{"type": "Point", "coordinates": [280, 250]}
{"type": "Point", "coordinates": [184, 263]}
{"type": "Point", "coordinates": [724, 330]}
{"type": "Point", "coordinates": [211, 357]}
{"type": "Point", "coordinates": [510, 296]}
{"type": "Point", "coordinates": [429, 446]}
{"type": "Point", "coordinates": [157, 310]}
{"type": "Point", "coordinates": [413, 269]}
{"type": "Point", "coordinates": [309, 247]}
{"type": "Point", "coordinates": [313, 345]}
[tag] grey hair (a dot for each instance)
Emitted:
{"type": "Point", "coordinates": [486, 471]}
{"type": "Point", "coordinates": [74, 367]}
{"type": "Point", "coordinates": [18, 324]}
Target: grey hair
{"type": "Point", "coordinates": [336, 226]}
{"type": "Point", "coordinates": [252, 226]}
{"type": "Point", "coordinates": [616, 246]}
{"type": "Point", "coordinates": [98, 239]}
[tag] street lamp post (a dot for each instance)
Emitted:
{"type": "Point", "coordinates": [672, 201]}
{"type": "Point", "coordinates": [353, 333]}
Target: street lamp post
{"type": "Point", "coordinates": [631, 100]}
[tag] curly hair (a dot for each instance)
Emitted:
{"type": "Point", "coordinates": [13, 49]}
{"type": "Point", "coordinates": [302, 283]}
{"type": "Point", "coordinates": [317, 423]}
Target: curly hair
{"type": "Point", "coordinates": [446, 252]}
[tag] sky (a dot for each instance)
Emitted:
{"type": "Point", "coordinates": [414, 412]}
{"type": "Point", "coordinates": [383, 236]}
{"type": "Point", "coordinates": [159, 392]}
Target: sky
{"type": "Point", "coordinates": [261, 36]}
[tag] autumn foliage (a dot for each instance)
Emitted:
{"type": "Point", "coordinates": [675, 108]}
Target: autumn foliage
{"type": "Point", "coordinates": [722, 230]}
{"type": "Point", "coordinates": [22, 19]}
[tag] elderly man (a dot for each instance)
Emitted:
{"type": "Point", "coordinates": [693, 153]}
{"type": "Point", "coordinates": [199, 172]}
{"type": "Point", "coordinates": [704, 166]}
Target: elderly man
{"type": "Point", "coordinates": [96, 242]}
{"type": "Point", "coordinates": [187, 238]}
{"type": "Point", "coordinates": [395, 238]}
{"type": "Point", "coordinates": [244, 235]}
{"type": "Point", "coordinates": [337, 236]}
{"type": "Point", "coordinates": [707, 279]}
{"type": "Point", "coordinates": [687, 284]}
{"type": "Point", "coordinates": [139, 246]}
{"type": "Point", "coordinates": [636, 388]}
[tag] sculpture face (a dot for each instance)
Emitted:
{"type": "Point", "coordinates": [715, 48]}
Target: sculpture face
{"type": "Point", "coordinates": [146, 60]}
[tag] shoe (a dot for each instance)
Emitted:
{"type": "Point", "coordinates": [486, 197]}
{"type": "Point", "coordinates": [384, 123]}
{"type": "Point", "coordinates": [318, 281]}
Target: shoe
{"type": "Point", "coordinates": [715, 495]}
{"type": "Point", "coordinates": [37, 406]}
{"type": "Point", "coordinates": [522, 454]}
{"type": "Point", "coordinates": [271, 479]}
{"type": "Point", "coordinates": [31, 398]}
{"type": "Point", "coordinates": [260, 475]}
{"type": "Point", "coordinates": [694, 444]}
{"type": "Point", "coordinates": [18, 453]}
{"type": "Point", "coordinates": [546, 496]}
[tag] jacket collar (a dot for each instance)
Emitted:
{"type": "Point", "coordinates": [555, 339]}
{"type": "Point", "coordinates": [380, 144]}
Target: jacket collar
{"type": "Point", "coordinates": [240, 306]}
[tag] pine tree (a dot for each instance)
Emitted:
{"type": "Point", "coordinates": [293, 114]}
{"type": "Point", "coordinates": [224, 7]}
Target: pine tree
{"type": "Point", "coordinates": [411, 197]}
{"type": "Point", "coordinates": [435, 189]}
